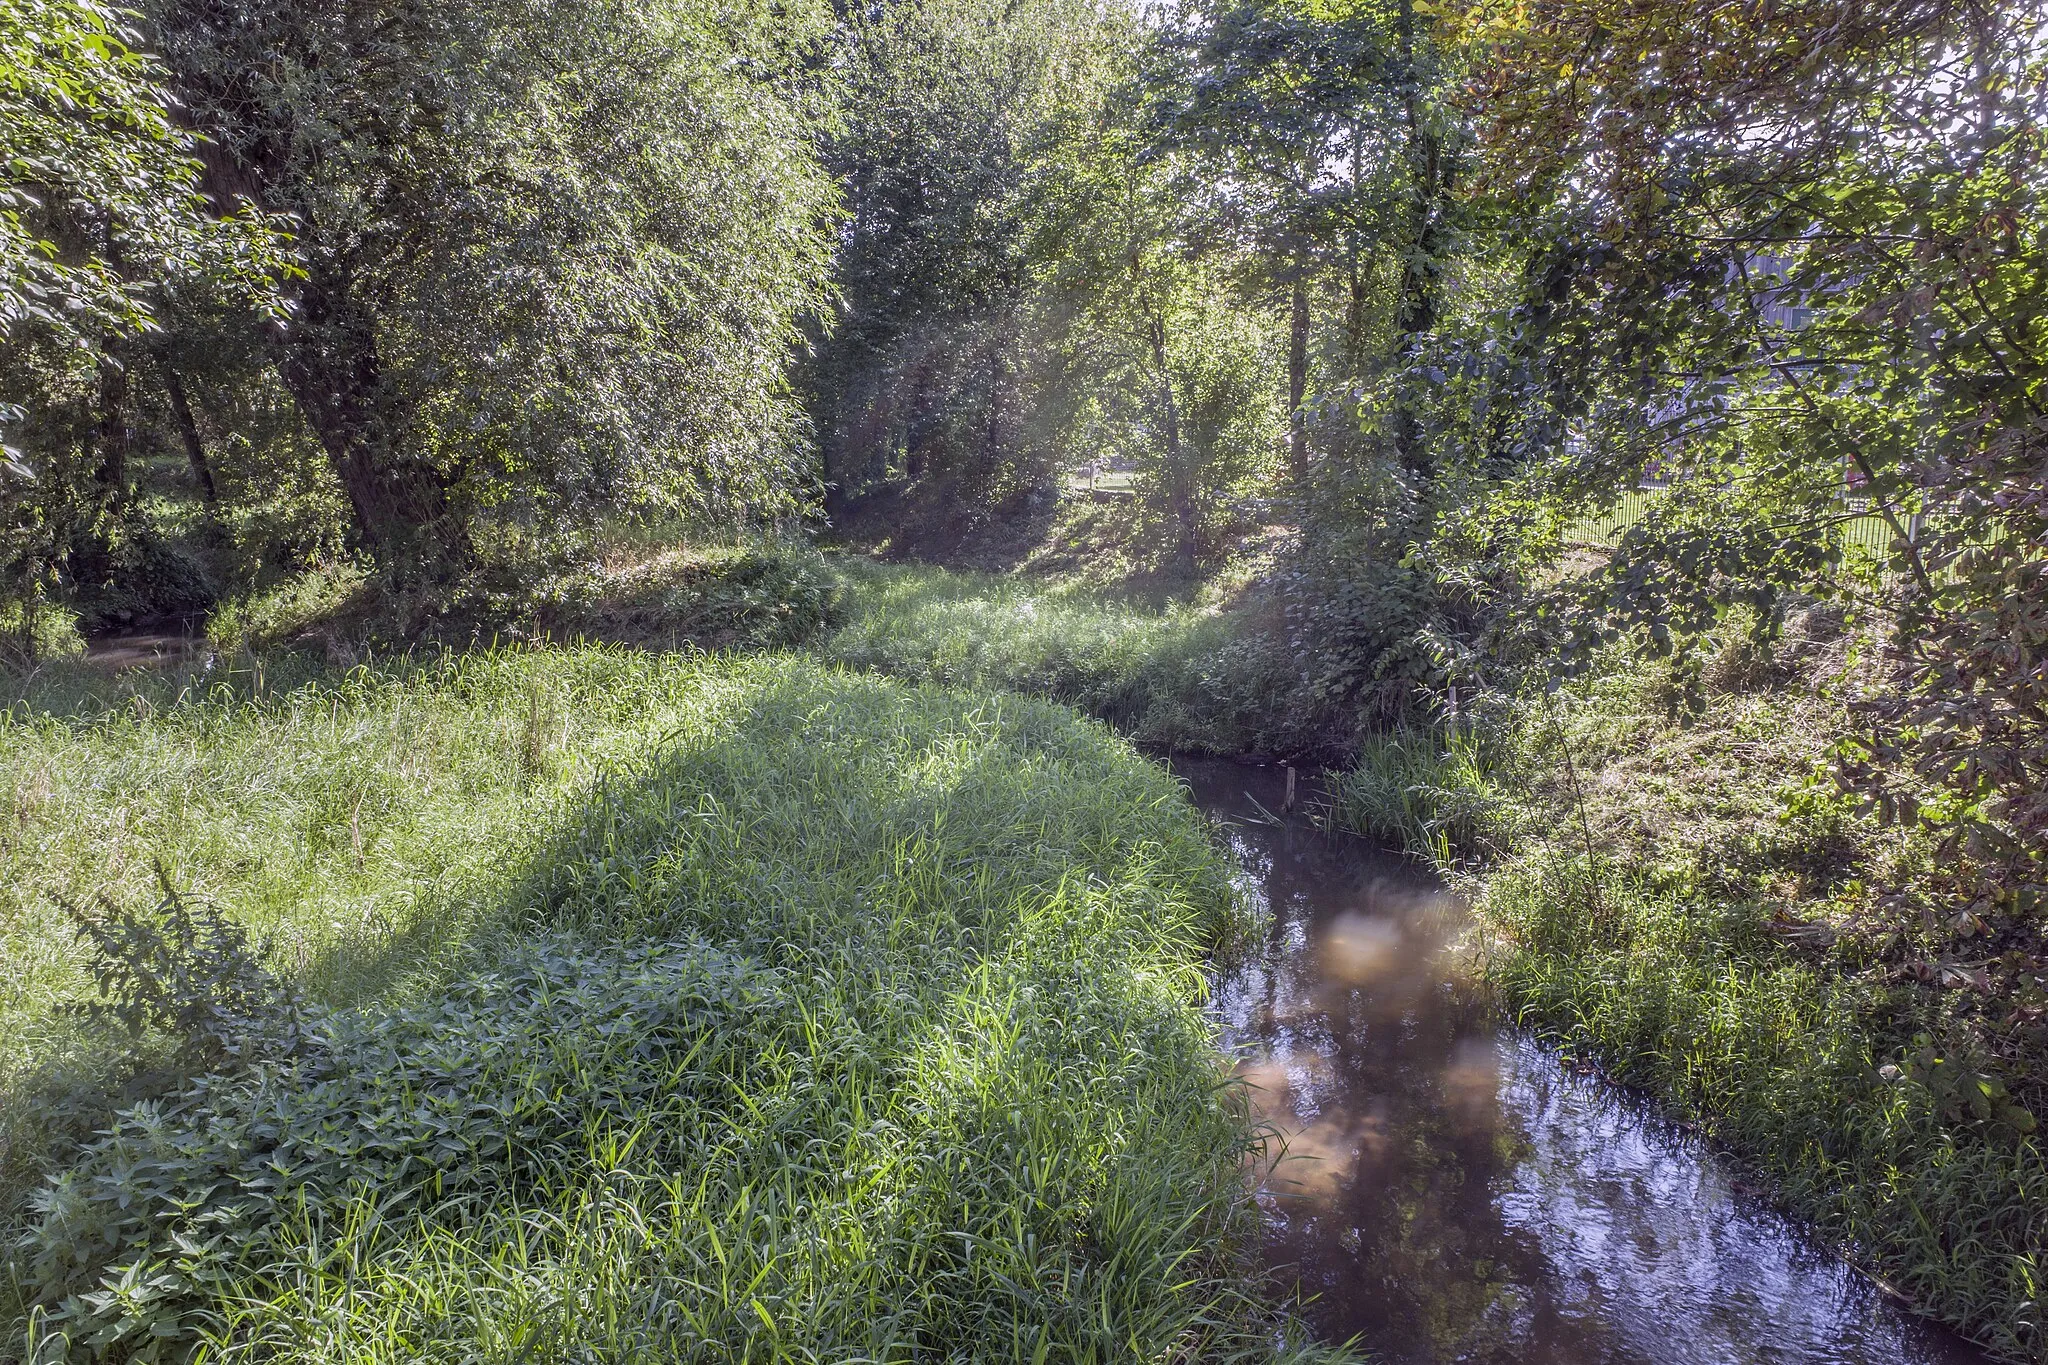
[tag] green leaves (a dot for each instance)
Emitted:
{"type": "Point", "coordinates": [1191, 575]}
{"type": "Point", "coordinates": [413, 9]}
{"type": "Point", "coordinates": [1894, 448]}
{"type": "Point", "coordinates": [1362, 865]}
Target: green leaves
{"type": "Point", "coordinates": [100, 207]}
{"type": "Point", "coordinates": [418, 1112]}
{"type": "Point", "coordinates": [1961, 1092]}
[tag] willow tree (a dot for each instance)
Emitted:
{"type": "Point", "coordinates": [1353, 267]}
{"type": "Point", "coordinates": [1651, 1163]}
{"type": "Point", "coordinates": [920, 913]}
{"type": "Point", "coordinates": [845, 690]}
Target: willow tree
{"type": "Point", "coordinates": [554, 254]}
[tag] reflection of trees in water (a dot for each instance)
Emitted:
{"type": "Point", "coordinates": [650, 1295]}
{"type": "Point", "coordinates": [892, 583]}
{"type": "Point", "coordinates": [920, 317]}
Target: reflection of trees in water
{"type": "Point", "coordinates": [1437, 1224]}
{"type": "Point", "coordinates": [1391, 1078]}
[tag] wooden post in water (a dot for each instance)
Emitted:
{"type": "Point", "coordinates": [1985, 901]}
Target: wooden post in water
{"type": "Point", "coordinates": [1288, 804]}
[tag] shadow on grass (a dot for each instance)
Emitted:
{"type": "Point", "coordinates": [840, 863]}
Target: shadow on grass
{"type": "Point", "coordinates": [988, 1112]}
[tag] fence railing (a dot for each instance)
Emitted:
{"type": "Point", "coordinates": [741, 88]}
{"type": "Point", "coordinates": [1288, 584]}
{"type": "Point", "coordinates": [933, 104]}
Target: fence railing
{"type": "Point", "coordinates": [1868, 530]}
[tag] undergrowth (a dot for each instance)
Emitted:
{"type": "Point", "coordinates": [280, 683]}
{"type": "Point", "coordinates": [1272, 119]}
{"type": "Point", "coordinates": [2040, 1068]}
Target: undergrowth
{"type": "Point", "coordinates": [1193, 678]}
{"type": "Point", "coordinates": [659, 1008]}
{"type": "Point", "coordinates": [1685, 898]}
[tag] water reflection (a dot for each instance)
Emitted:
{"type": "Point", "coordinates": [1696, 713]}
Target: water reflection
{"type": "Point", "coordinates": [1448, 1192]}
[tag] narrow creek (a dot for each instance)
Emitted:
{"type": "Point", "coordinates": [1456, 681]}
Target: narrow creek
{"type": "Point", "coordinates": [1450, 1191]}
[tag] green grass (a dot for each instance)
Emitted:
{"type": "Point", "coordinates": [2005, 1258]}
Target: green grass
{"type": "Point", "coordinates": [1179, 676]}
{"type": "Point", "coordinates": [1870, 532]}
{"type": "Point", "coordinates": [1431, 791]}
{"type": "Point", "coordinates": [679, 1008]}
{"type": "Point", "coordinates": [1778, 1057]}
{"type": "Point", "coordinates": [629, 589]}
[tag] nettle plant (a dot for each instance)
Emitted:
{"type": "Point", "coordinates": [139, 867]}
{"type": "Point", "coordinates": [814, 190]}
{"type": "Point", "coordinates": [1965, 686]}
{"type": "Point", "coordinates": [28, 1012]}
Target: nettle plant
{"type": "Point", "coordinates": [388, 1122]}
{"type": "Point", "coordinates": [182, 968]}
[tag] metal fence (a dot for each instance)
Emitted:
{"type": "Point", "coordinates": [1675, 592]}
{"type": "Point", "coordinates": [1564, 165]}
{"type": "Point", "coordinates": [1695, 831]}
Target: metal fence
{"type": "Point", "coordinates": [1866, 531]}
{"type": "Point", "coordinates": [1606, 529]}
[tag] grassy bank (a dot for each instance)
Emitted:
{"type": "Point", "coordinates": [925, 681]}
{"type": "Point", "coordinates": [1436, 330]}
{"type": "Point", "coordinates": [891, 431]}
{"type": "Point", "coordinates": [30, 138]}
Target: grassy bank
{"type": "Point", "coordinates": [1685, 903]}
{"type": "Point", "coordinates": [1191, 676]}
{"type": "Point", "coordinates": [662, 1008]}
{"type": "Point", "coordinates": [645, 588]}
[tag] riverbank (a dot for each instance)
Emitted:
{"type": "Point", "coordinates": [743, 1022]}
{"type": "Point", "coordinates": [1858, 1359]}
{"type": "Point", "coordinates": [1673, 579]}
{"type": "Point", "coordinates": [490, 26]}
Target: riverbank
{"type": "Point", "coordinates": [1453, 1189]}
{"type": "Point", "coordinates": [1680, 898]}
{"type": "Point", "coordinates": [721, 1003]}
{"type": "Point", "coordinates": [1688, 904]}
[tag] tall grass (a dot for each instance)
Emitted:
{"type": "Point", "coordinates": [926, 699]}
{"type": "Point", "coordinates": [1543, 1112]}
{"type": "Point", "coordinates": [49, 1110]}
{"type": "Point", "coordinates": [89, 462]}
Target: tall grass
{"type": "Point", "coordinates": [683, 1009]}
{"type": "Point", "coordinates": [1779, 1057]}
{"type": "Point", "coordinates": [361, 821]}
{"type": "Point", "coordinates": [1178, 676]}
{"type": "Point", "coordinates": [1433, 792]}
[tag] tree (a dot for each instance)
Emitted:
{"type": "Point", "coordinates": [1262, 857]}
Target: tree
{"type": "Point", "coordinates": [1177, 366]}
{"type": "Point", "coordinates": [1323, 124]}
{"type": "Point", "coordinates": [99, 205]}
{"type": "Point", "coordinates": [101, 220]}
{"type": "Point", "coordinates": [555, 253]}
{"type": "Point", "coordinates": [933, 369]}
{"type": "Point", "coordinates": [1815, 256]}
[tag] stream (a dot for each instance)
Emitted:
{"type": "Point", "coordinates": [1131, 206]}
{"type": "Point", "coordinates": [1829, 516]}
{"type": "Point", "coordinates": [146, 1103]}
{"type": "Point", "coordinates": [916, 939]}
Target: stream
{"type": "Point", "coordinates": [1452, 1191]}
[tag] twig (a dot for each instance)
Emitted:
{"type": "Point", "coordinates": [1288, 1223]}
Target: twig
{"type": "Point", "coordinates": [1593, 904]}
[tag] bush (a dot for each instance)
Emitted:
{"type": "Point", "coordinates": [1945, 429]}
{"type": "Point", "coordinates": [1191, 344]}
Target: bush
{"type": "Point", "coordinates": [186, 969]}
{"type": "Point", "coordinates": [30, 637]}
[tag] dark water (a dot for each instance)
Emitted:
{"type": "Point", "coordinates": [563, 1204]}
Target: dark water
{"type": "Point", "coordinates": [1452, 1192]}
{"type": "Point", "coordinates": [141, 650]}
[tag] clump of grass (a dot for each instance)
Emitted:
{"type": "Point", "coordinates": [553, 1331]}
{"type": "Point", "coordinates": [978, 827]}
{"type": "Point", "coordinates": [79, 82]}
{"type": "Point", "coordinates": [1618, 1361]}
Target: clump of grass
{"type": "Point", "coordinates": [849, 1020]}
{"type": "Point", "coordinates": [1434, 793]}
{"type": "Point", "coordinates": [288, 609]}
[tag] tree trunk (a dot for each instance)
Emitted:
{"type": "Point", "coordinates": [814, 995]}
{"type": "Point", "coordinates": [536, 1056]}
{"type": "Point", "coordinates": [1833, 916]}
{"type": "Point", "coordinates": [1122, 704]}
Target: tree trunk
{"type": "Point", "coordinates": [327, 357]}
{"type": "Point", "coordinates": [1354, 309]}
{"type": "Point", "coordinates": [110, 431]}
{"type": "Point", "coordinates": [329, 363]}
{"type": "Point", "coordinates": [1180, 479]}
{"type": "Point", "coordinates": [1297, 382]}
{"type": "Point", "coordinates": [92, 537]}
{"type": "Point", "coordinates": [1417, 307]}
{"type": "Point", "coordinates": [188, 432]}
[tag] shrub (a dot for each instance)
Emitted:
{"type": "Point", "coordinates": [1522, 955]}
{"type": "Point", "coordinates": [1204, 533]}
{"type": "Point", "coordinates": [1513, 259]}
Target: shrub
{"type": "Point", "coordinates": [29, 635]}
